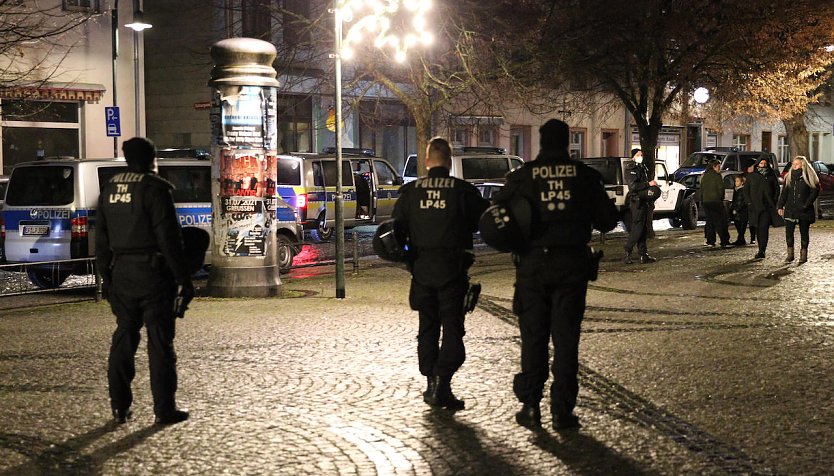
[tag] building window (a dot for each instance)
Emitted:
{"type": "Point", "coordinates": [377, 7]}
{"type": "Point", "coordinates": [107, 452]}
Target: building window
{"type": "Point", "coordinates": [577, 144]}
{"type": "Point", "coordinates": [35, 130]}
{"type": "Point", "coordinates": [783, 150]}
{"type": "Point", "coordinates": [741, 141]}
{"type": "Point", "coordinates": [91, 6]}
{"type": "Point", "coordinates": [486, 136]}
{"type": "Point", "coordinates": [460, 136]}
{"type": "Point", "coordinates": [295, 119]}
{"type": "Point", "coordinates": [712, 140]}
{"type": "Point", "coordinates": [256, 19]}
{"type": "Point", "coordinates": [520, 141]}
{"type": "Point", "coordinates": [296, 27]}
{"type": "Point", "coordinates": [815, 147]}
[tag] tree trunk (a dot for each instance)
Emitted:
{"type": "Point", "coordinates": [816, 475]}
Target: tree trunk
{"type": "Point", "coordinates": [797, 136]}
{"type": "Point", "coordinates": [423, 129]}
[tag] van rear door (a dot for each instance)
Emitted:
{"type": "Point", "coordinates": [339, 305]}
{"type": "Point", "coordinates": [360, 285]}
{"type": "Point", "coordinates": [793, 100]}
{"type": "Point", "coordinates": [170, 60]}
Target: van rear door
{"type": "Point", "coordinates": [40, 212]}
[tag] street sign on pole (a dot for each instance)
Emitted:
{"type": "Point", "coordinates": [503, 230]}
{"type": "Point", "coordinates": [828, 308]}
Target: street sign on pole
{"type": "Point", "coordinates": [111, 119]}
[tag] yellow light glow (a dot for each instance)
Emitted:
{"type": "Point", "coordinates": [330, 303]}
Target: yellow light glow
{"type": "Point", "coordinates": [373, 19]}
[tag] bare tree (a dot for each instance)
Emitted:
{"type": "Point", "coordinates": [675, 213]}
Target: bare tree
{"type": "Point", "coordinates": [650, 53]}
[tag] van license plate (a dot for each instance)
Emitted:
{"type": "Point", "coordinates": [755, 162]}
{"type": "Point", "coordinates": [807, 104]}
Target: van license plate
{"type": "Point", "coordinates": [35, 230]}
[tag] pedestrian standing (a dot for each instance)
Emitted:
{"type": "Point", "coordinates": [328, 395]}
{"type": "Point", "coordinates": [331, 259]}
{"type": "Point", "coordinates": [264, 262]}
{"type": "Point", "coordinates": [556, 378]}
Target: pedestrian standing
{"type": "Point", "coordinates": [438, 214]}
{"type": "Point", "coordinates": [796, 205]}
{"type": "Point", "coordinates": [142, 261]}
{"type": "Point", "coordinates": [568, 199]}
{"type": "Point", "coordinates": [712, 199]}
{"type": "Point", "coordinates": [762, 190]}
{"type": "Point", "coordinates": [739, 211]}
{"type": "Point", "coordinates": [637, 179]}
{"type": "Point", "coordinates": [745, 194]}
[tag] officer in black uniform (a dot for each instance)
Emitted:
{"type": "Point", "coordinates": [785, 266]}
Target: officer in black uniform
{"type": "Point", "coordinates": [637, 179]}
{"type": "Point", "coordinates": [553, 269]}
{"type": "Point", "coordinates": [142, 260]}
{"type": "Point", "coordinates": [439, 214]}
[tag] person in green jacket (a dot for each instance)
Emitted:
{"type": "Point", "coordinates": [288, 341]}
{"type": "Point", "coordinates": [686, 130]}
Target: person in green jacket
{"type": "Point", "coordinates": [712, 199]}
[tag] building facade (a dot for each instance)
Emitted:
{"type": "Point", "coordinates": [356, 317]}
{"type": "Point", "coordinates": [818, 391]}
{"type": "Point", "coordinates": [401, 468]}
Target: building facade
{"type": "Point", "coordinates": [56, 108]}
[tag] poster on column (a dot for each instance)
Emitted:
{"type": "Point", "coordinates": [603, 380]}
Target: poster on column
{"type": "Point", "coordinates": [243, 210]}
{"type": "Point", "coordinates": [243, 114]}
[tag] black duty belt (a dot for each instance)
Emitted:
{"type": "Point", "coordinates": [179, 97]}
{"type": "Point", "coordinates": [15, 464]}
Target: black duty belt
{"type": "Point", "coordinates": [139, 257]}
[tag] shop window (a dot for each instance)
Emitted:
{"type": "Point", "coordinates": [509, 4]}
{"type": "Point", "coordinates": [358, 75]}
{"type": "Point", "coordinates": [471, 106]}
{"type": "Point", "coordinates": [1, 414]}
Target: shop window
{"type": "Point", "coordinates": [34, 130]}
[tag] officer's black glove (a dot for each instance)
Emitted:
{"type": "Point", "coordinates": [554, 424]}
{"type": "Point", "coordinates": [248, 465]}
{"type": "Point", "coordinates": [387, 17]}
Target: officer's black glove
{"type": "Point", "coordinates": [185, 293]}
{"type": "Point", "coordinates": [471, 299]}
{"type": "Point", "coordinates": [105, 289]}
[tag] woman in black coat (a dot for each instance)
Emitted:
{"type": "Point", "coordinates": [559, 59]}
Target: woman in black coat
{"type": "Point", "coordinates": [796, 205]}
{"type": "Point", "coordinates": [762, 190]}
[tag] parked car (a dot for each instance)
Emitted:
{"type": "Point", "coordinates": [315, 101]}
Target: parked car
{"type": "Point", "coordinates": [4, 184]}
{"type": "Point", "coordinates": [489, 189]}
{"type": "Point", "coordinates": [472, 164]}
{"type": "Point", "coordinates": [693, 182]}
{"type": "Point", "coordinates": [825, 202]}
{"type": "Point", "coordinates": [676, 203]}
{"type": "Point", "coordinates": [730, 157]}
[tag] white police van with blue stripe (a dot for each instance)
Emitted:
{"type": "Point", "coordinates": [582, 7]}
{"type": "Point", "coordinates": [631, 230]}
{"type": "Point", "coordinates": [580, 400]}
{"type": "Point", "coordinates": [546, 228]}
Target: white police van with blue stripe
{"type": "Point", "coordinates": [50, 212]}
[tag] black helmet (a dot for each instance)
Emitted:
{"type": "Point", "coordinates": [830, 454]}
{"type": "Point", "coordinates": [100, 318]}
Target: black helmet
{"type": "Point", "coordinates": [506, 226]}
{"type": "Point", "coordinates": [196, 241]}
{"type": "Point", "coordinates": [389, 242]}
{"type": "Point", "coordinates": [649, 194]}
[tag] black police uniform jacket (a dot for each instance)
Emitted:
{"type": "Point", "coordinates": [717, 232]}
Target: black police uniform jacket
{"type": "Point", "coordinates": [798, 198]}
{"type": "Point", "coordinates": [567, 198]}
{"type": "Point", "coordinates": [136, 214]}
{"type": "Point", "coordinates": [636, 177]}
{"type": "Point", "coordinates": [438, 214]}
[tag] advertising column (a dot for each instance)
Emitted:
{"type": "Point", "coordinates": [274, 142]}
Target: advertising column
{"type": "Point", "coordinates": [244, 143]}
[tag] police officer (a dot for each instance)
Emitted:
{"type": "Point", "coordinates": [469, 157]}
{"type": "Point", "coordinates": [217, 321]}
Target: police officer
{"type": "Point", "coordinates": [552, 271]}
{"type": "Point", "coordinates": [637, 179]}
{"type": "Point", "coordinates": [438, 214]}
{"type": "Point", "coordinates": [142, 260]}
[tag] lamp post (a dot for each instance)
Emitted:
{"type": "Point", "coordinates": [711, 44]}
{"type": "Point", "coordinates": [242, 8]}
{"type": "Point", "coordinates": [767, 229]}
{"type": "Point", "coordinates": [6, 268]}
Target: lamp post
{"type": "Point", "coordinates": [114, 37]}
{"type": "Point", "coordinates": [138, 25]}
{"type": "Point", "coordinates": [374, 18]}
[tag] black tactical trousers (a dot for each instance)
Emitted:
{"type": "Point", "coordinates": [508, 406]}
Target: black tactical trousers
{"type": "Point", "coordinates": [762, 222]}
{"type": "Point", "coordinates": [716, 216]}
{"type": "Point", "coordinates": [141, 295]}
{"type": "Point", "coordinates": [550, 303]}
{"type": "Point", "coordinates": [639, 227]}
{"type": "Point", "coordinates": [440, 308]}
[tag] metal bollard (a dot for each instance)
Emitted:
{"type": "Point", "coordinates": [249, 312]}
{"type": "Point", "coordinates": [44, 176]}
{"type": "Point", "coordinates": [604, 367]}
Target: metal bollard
{"type": "Point", "coordinates": [355, 251]}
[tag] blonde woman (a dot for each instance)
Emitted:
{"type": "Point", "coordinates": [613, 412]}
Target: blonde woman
{"type": "Point", "coordinates": [796, 205]}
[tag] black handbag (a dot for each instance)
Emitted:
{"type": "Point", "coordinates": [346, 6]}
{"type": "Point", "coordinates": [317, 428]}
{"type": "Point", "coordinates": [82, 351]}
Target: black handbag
{"type": "Point", "coordinates": [776, 220]}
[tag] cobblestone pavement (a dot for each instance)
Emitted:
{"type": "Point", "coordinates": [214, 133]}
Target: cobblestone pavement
{"type": "Point", "coordinates": [705, 362]}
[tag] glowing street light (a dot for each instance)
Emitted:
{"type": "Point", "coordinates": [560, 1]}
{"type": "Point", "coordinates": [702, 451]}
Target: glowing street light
{"type": "Point", "coordinates": [396, 25]}
{"type": "Point", "coordinates": [701, 95]}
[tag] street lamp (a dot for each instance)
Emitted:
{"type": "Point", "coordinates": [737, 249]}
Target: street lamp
{"type": "Point", "coordinates": [701, 95]}
{"type": "Point", "coordinates": [394, 24]}
{"type": "Point", "coordinates": [138, 25]}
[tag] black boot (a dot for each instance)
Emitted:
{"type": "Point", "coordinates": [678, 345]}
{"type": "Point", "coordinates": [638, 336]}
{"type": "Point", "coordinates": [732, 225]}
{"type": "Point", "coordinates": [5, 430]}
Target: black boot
{"type": "Point", "coordinates": [442, 395]}
{"type": "Point", "coordinates": [565, 422]}
{"type": "Point", "coordinates": [645, 258]}
{"type": "Point", "coordinates": [122, 416]}
{"type": "Point", "coordinates": [430, 386]}
{"type": "Point", "coordinates": [627, 258]}
{"type": "Point", "coordinates": [529, 416]}
{"type": "Point", "coordinates": [803, 255]}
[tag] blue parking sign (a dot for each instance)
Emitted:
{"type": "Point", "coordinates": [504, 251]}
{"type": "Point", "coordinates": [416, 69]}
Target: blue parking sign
{"type": "Point", "coordinates": [111, 120]}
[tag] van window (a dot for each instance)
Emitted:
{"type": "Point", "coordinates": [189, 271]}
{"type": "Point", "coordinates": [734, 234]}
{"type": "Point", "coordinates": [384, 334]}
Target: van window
{"type": "Point", "coordinates": [384, 174]}
{"type": "Point", "coordinates": [192, 184]}
{"type": "Point", "coordinates": [484, 168]}
{"type": "Point", "coordinates": [289, 172]}
{"type": "Point", "coordinates": [730, 163]}
{"type": "Point", "coordinates": [410, 166]}
{"type": "Point", "coordinates": [660, 172]}
{"type": "Point", "coordinates": [41, 186]}
{"type": "Point", "coordinates": [515, 162]}
{"type": "Point", "coordinates": [329, 167]}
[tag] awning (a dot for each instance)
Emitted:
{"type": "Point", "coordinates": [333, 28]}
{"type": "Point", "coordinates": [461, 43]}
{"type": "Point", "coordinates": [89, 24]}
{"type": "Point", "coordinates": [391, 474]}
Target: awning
{"type": "Point", "coordinates": [50, 91]}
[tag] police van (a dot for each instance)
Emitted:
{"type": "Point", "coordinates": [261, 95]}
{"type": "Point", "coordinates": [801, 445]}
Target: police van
{"type": "Point", "coordinates": [307, 181]}
{"type": "Point", "coordinates": [473, 164]}
{"type": "Point", "coordinates": [50, 212]}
